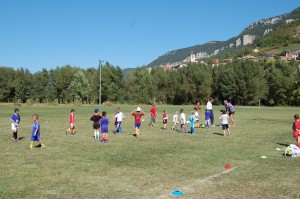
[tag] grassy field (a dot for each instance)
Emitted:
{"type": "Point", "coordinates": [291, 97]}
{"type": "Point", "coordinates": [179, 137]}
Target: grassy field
{"type": "Point", "coordinates": [152, 166]}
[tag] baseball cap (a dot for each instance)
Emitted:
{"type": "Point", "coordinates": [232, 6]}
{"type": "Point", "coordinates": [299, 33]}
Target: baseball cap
{"type": "Point", "coordinates": [96, 110]}
{"type": "Point", "coordinates": [138, 109]}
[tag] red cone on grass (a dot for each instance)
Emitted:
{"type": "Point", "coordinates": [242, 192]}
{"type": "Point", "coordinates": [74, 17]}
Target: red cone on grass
{"type": "Point", "coordinates": [227, 166]}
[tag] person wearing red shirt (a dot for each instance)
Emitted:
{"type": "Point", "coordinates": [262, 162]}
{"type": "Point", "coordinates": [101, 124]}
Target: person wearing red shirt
{"type": "Point", "coordinates": [153, 115]}
{"type": "Point", "coordinates": [296, 129]}
{"type": "Point", "coordinates": [137, 114]}
{"type": "Point", "coordinates": [71, 129]}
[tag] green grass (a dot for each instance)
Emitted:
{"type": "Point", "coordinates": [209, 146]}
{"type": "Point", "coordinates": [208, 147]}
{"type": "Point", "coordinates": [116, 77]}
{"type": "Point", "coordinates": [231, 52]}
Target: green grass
{"type": "Point", "coordinates": [153, 166]}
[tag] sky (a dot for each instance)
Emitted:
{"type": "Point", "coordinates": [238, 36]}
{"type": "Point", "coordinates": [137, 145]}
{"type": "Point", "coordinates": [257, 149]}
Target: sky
{"type": "Point", "coordinates": [37, 34]}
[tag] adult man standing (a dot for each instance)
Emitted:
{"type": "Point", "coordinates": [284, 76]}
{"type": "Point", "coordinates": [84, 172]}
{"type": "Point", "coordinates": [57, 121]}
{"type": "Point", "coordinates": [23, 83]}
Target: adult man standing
{"type": "Point", "coordinates": [230, 111]}
{"type": "Point", "coordinates": [153, 115]}
{"type": "Point", "coordinates": [210, 109]}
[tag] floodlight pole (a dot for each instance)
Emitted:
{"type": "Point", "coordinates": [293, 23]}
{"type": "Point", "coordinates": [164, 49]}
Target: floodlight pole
{"type": "Point", "coordinates": [100, 79]}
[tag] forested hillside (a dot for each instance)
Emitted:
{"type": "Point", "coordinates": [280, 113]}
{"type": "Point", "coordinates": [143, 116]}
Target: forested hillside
{"type": "Point", "coordinates": [244, 82]}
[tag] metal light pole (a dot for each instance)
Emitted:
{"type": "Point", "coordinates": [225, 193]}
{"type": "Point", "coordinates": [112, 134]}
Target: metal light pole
{"type": "Point", "coordinates": [100, 79]}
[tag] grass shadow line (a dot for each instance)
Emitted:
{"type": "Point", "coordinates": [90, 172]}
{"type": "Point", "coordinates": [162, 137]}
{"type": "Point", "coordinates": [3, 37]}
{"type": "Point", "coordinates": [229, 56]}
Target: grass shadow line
{"type": "Point", "coordinates": [221, 134]}
{"type": "Point", "coordinates": [283, 144]}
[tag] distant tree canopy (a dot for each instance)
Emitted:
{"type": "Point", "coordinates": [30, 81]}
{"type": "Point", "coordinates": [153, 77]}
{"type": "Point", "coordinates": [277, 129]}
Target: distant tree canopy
{"type": "Point", "coordinates": [244, 82]}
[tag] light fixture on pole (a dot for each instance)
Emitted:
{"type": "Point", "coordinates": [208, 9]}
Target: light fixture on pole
{"type": "Point", "coordinates": [100, 79]}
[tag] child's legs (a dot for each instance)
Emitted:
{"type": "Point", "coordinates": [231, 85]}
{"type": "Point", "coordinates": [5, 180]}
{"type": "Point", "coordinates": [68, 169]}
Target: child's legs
{"type": "Point", "coordinates": [14, 131]}
{"type": "Point", "coordinates": [72, 127]}
{"type": "Point", "coordinates": [15, 134]}
{"type": "Point", "coordinates": [118, 127]}
{"type": "Point", "coordinates": [224, 129]}
{"type": "Point", "coordinates": [104, 136]}
{"type": "Point", "coordinates": [228, 131]}
{"type": "Point", "coordinates": [192, 130]}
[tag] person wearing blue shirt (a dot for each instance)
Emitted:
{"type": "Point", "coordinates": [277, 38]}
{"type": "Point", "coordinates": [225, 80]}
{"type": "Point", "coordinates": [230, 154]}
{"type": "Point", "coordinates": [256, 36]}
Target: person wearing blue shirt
{"type": "Point", "coordinates": [15, 121]}
{"type": "Point", "coordinates": [104, 127]}
{"type": "Point", "coordinates": [192, 122]}
{"type": "Point", "coordinates": [36, 132]}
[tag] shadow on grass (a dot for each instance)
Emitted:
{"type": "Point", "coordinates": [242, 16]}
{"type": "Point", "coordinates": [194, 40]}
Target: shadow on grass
{"type": "Point", "coordinates": [134, 135]}
{"type": "Point", "coordinates": [221, 134]}
{"type": "Point", "coordinates": [21, 138]}
{"type": "Point", "coordinates": [283, 144]}
{"type": "Point", "coordinates": [38, 146]}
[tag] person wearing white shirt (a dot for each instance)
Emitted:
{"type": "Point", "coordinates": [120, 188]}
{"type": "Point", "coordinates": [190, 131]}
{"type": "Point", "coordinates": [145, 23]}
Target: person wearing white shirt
{"type": "Point", "coordinates": [119, 118]}
{"type": "Point", "coordinates": [182, 121]}
{"type": "Point", "coordinates": [196, 118]}
{"type": "Point", "coordinates": [175, 120]}
{"type": "Point", "coordinates": [210, 109]}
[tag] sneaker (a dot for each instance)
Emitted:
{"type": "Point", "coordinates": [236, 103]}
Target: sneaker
{"type": "Point", "coordinates": [42, 146]}
{"type": "Point", "coordinates": [67, 133]}
{"type": "Point", "coordinates": [30, 146]}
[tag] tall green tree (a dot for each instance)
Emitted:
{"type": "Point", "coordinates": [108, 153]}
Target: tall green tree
{"type": "Point", "coordinates": [60, 79]}
{"type": "Point", "coordinates": [141, 88]}
{"type": "Point", "coordinates": [280, 80]}
{"type": "Point", "coordinates": [79, 89]}
{"type": "Point", "coordinates": [40, 86]}
{"type": "Point", "coordinates": [7, 87]}
{"type": "Point", "coordinates": [112, 83]}
{"type": "Point", "coordinates": [250, 83]}
{"type": "Point", "coordinates": [23, 85]}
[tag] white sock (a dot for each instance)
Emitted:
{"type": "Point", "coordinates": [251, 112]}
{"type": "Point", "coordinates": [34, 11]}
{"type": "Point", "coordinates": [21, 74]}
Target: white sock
{"type": "Point", "coordinates": [98, 135]}
{"type": "Point", "coordinates": [95, 134]}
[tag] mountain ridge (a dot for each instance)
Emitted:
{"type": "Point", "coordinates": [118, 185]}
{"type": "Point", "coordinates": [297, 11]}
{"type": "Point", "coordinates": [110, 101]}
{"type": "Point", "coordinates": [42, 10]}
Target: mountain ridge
{"type": "Point", "coordinates": [217, 49]}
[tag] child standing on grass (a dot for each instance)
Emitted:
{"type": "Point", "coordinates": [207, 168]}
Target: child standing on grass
{"type": "Point", "coordinates": [119, 118]}
{"type": "Point", "coordinates": [153, 113]}
{"type": "Point", "coordinates": [224, 122]}
{"type": "Point", "coordinates": [104, 127]}
{"type": "Point", "coordinates": [71, 129]}
{"type": "Point", "coordinates": [137, 114]}
{"type": "Point", "coordinates": [36, 132]}
{"type": "Point", "coordinates": [165, 119]}
{"type": "Point", "coordinates": [207, 118]}
{"type": "Point", "coordinates": [192, 122]}
{"type": "Point", "coordinates": [96, 123]}
{"type": "Point", "coordinates": [197, 118]}
{"type": "Point", "coordinates": [175, 120]}
{"type": "Point", "coordinates": [182, 121]}
{"type": "Point", "coordinates": [15, 121]}
{"type": "Point", "coordinates": [296, 129]}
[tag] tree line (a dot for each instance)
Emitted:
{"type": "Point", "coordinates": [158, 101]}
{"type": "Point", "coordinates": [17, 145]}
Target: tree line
{"type": "Point", "coordinates": [243, 82]}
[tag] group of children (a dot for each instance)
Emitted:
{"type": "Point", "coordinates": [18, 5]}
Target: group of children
{"type": "Point", "coordinates": [35, 132]}
{"type": "Point", "coordinates": [102, 122]}
{"type": "Point", "coordinates": [193, 120]}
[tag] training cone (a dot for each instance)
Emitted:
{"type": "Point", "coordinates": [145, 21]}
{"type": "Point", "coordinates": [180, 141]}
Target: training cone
{"type": "Point", "coordinates": [177, 193]}
{"type": "Point", "coordinates": [227, 166]}
{"type": "Point", "coordinates": [264, 157]}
